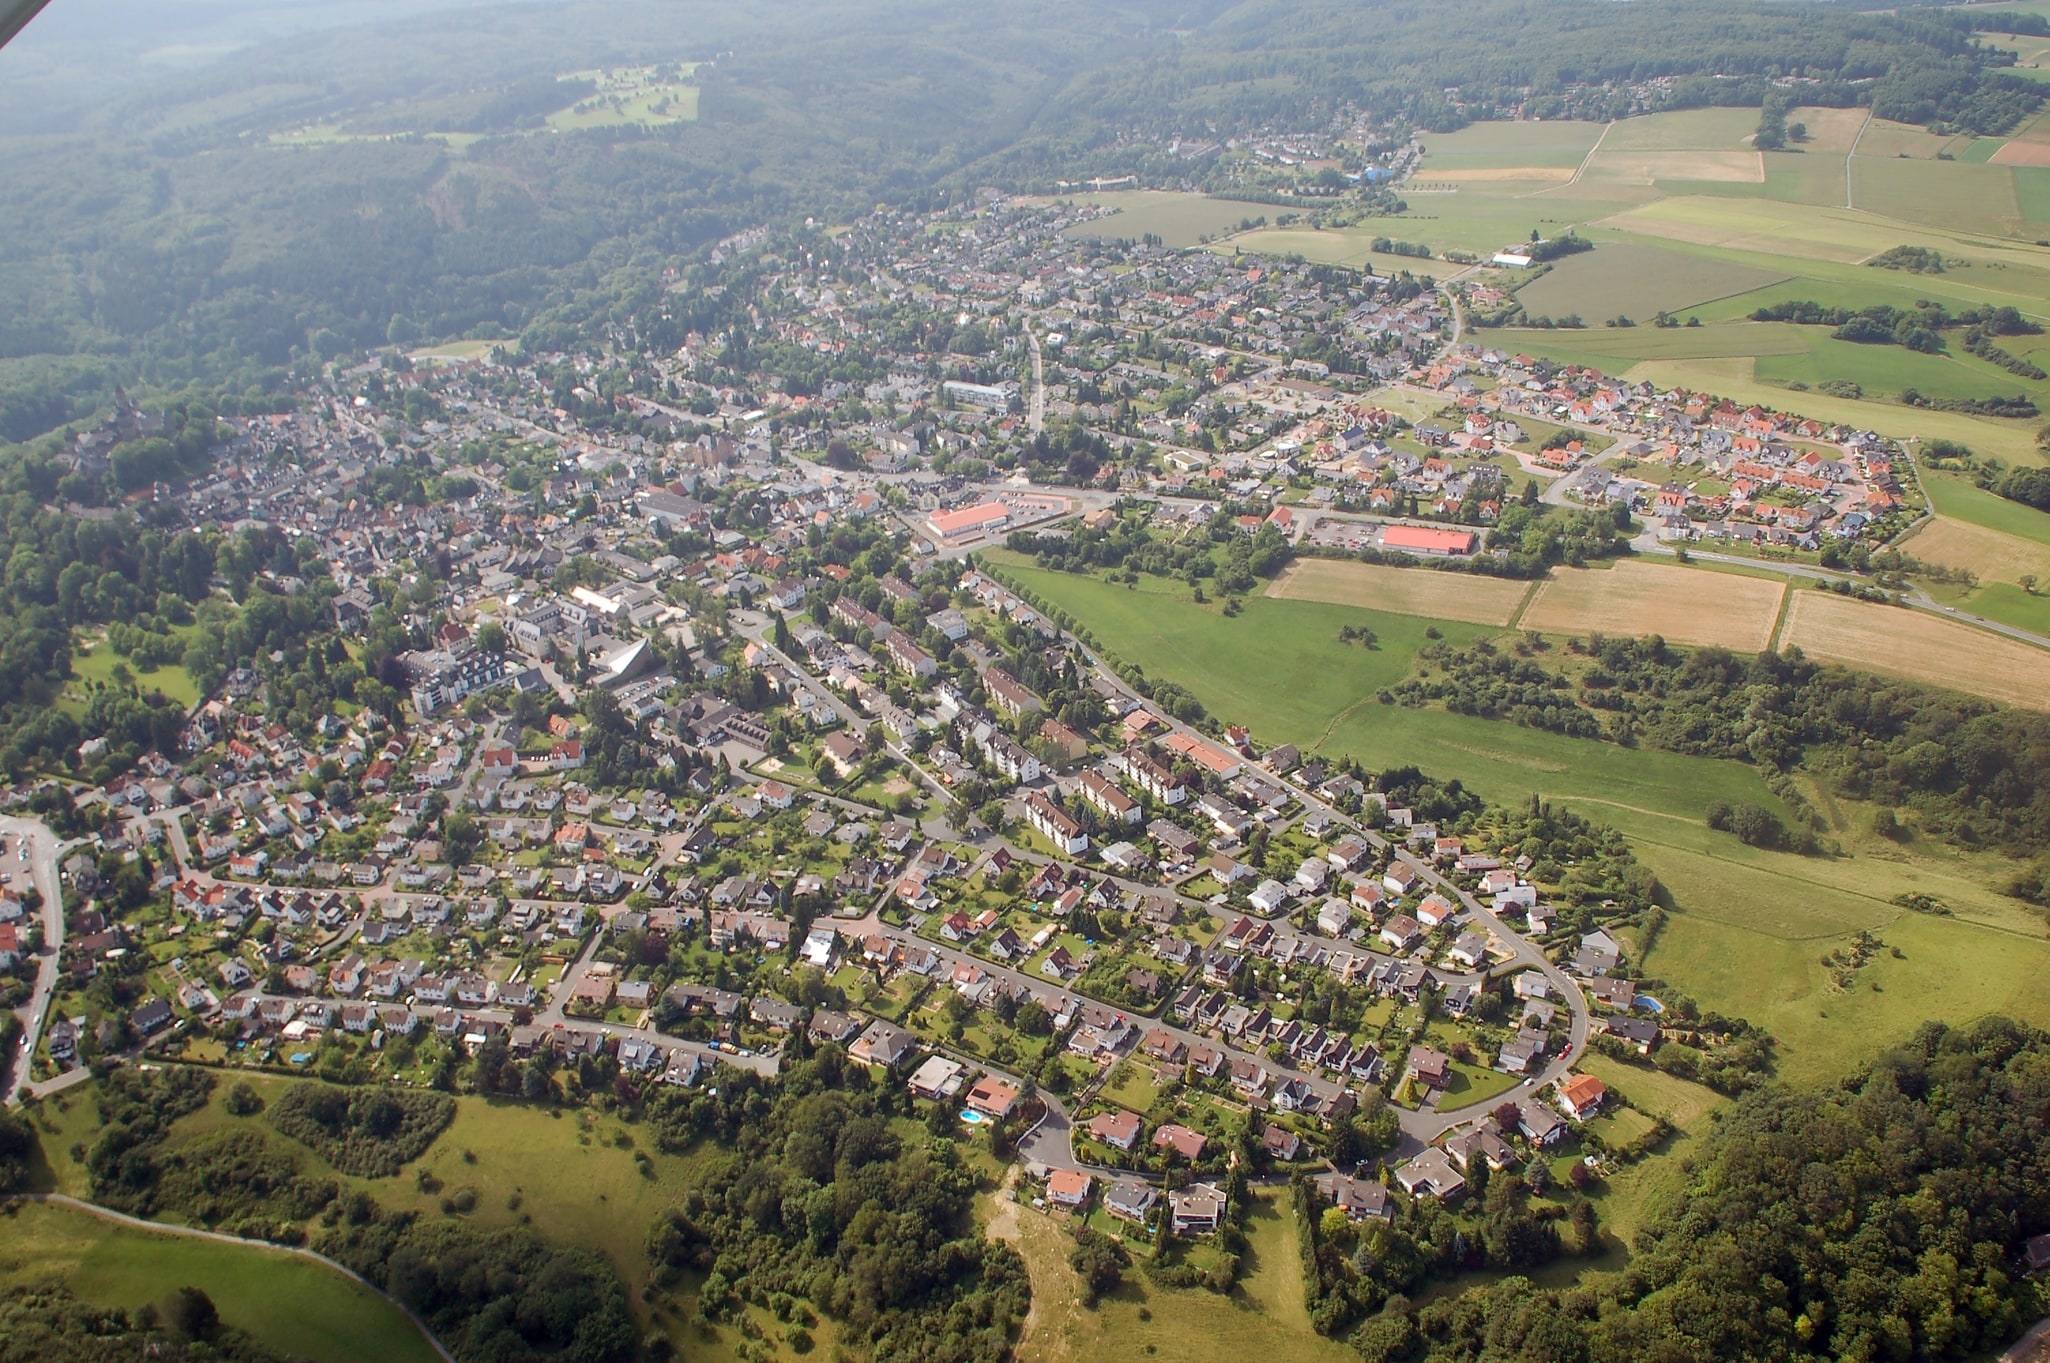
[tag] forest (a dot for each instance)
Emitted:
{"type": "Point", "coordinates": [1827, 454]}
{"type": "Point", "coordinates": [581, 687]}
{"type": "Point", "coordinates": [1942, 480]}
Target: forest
{"type": "Point", "coordinates": [1964, 770]}
{"type": "Point", "coordinates": [158, 236]}
{"type": "Point", "coordinates": [816, 1195]}
{"type": "Point", "coordinates": [1881, 1219]}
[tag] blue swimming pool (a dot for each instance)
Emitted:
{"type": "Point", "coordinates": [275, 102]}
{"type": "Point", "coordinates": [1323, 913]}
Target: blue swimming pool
{"type": "Point", "coordinates": [971, 1116]}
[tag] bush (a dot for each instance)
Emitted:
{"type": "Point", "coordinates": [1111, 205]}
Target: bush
{"type": "Point", "coordinates": [370, 1133]}
{"type": "Point", "coordinates": [1753, 825]}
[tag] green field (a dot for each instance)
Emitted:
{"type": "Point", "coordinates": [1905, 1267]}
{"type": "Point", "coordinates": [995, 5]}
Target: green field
{"type": "Point", "coordinates": [1507, 146]}
{"type": "Point", "coordinates": [635, 95]}
{"type": "Point", "coordinates": [1177, 219]}
{"type": "Point", "coordinates": [96, 663]}
{"type": "Point", "coordinates": [1638, 281]}
{"type": "Point", "coordinates": [1960, 499]}
{"type": "Point", "coordinates": [1685, 130]}
{"type": "Point", "coordinates": [291, 1304]}
{"type": "Point", "coordinates": [589, 1190]}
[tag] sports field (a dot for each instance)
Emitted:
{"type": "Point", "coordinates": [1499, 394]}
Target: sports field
{"type": "Point", "coordinates": [1405, 591]}
{"type": "Point", "coordinates": [1681, 604]}
{"type": "Point", "coordinates": [1919, 647]}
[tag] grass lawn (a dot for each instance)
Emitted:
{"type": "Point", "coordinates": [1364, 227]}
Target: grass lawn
{"type": "Point", "coordinates": [1132, 1085]}
{"type": "Point", "coordinates": [293, 1305]}
{"type": "Point", "coordinates": [1473, 1084]}
{"type": "Point", "coordinates": [96, 663]}
{"type": "Point", "coordinates": [1621, 1127]}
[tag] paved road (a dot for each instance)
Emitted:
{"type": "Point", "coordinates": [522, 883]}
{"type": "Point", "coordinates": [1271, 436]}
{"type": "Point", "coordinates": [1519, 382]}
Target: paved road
{"type": "Point", "coordinates": [44, 849]}
{"type": "Point", "coordinates": [219, 1238]}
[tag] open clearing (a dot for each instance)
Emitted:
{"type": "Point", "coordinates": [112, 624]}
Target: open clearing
{"type": "Point", "coordinates": [1177, 219]}
{"type": "Point", "coordinates": [1264, 1317]}
{"type": "Point", "coordinates": [1632, 280]}
{"type": "Point", "coordinates": [291, 1304]}
{"type": "Point", "coordinates": [1993, 554]}
{"type": "Point", "coordinates": [1654, 598]}
{"type": "Point", "coordinates": [1919, 647]}
{"type": "Point", "coordinates": [1405, 591]}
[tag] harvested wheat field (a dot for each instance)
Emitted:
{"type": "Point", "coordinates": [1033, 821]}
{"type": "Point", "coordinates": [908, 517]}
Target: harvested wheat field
{"type": "Point", "coordinates": [1685, 605]}
{"type": "Point", "coordinates": [1994, 555]}
{"type": "Point", "coordinates": [1653, 167]}
{"type": "Point", "coordinates": [1917, 646]}
{"type": "Point", "coordinates": [1401, 591]}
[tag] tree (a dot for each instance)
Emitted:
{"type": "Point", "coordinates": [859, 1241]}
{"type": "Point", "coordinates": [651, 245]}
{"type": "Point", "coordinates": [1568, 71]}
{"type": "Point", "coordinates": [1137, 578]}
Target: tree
{"type": "Point", "coordinates": [1100, 1262]}
{"type": "Point", "coordinates": [460, 838]}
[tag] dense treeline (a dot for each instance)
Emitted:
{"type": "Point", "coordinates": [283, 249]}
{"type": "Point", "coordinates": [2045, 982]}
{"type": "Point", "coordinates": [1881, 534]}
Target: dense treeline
{"type": "Point", "coordinates": [1919, 328]}
{"type": "Point", "coordinates": [368, 1132]}
{"type": "Point", "coordinates": [815, 1196]}
{"type": "Point", "coordinates": [1967, 770]}
{"type": "Point", "coordinates": [502, 1296]}
{"type": "Point", "coordinates": [1882, 1219]}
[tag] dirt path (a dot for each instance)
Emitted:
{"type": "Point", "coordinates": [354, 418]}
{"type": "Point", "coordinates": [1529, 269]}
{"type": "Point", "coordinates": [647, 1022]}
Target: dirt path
{"type": "Point", "coordinates": [221, 1238]}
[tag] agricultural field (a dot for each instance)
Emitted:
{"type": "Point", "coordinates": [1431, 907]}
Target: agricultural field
{"type": "Point", "coordinates": [1640, 281]}
{"type": "Point", "coordinates": [1688, 218]}
{"type": "Point", "coordinates": [1917, 646]}
{"type": "Point", "coordinates": [1956, 498]}
{"type": "Point", "coordinates": [1650, 598]}
{"type": "Point", "coordinates": [1514, 153]}
{"type": "Point", "coordinates": [1994, 555]}
{"type": "Point", "coordinates": [1177, 219]}
{"type": "Point", "coordinates": [292, 1304]}
{"type": "Point", "coordinates": [1404, 591]}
